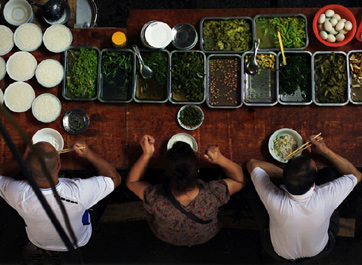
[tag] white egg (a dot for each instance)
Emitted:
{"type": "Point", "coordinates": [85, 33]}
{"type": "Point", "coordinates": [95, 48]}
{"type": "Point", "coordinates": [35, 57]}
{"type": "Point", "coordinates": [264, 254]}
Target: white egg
{"type": "Point", "coordinates": [339, 26]}
{"type": "Point", "coordinates": [336, 16]}
{"type": "Point", "coordinates": [343, 31]}
{"type": "Point", "coordinates": [348, 25]}
{"type": "Point", "coordinates": [333, 31]}
{"type": "Point", "coordinates": [321, 18]}
{"type": "Point", "coordinates": [327, 26]}
{"type": "Point", "coordinates": [327, 19]}
{"type": "Point", "coordinates": [340, 37]}
{"type": "Point", "coordinates": [323, 35]}
{"type": "Point", "coordinates": [329, 13]}
{"type": "Point", "coordinates": [321, 27]}
{"type": "Point", "coordinates": [331, 38]}
{"type": "Point", "coordinates": [344, 20]}
{"type": "Point", "coordinates": [333, 21]}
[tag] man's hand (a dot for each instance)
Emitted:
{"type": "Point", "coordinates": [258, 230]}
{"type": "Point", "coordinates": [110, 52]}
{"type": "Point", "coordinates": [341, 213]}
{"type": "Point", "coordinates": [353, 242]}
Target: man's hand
{"type": "Point", "coordinates": [81, 148]}
{"type": "Point", "coordinates": [148, 145]}
{"type": "Point", "coordinates": [318, 145]}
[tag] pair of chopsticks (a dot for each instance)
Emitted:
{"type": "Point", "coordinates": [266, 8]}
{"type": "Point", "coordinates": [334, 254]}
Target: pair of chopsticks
{"type": "Point", "coordinates": [303, 147]}
{"type": "Point", "coordinates": [282, 48]}
{"type": "Point", "coordinates": [67, 150]}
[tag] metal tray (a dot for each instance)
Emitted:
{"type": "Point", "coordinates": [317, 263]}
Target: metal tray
{"type": "Point", "coordinates": [260, 89]}
{"type": "Point", "coordinates": [113, 96]}
{"type": "Point", "coordinates": [202, 41]}
{"type": "Point", "coordinates": [167, 86]}
{"type": "Point", "coordinates": [171, 98]}
{"type": "Point", "coordinates": [350, 82]}
{"type": "Point", "coordinates": [272, 47]}
{"type": "Point", "coordinates": [314, 78]}
{"type": "Point", "coordinates": [237, 93]}
{"type": "Point", "coordinates": [64, 91]}
{"type": "Point", "coordinates": [297, 97]}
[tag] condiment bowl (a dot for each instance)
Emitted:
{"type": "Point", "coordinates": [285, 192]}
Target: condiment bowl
{"type": "Point", "coordinates": [190, 127]}
{"type": "Point", "coordinates": [359, 32]}
{"type": "Point", "coordinates": [345, 13]}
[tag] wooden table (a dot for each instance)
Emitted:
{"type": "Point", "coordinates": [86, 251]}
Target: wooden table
{"type": "Point", "coordinates": [115, 129]}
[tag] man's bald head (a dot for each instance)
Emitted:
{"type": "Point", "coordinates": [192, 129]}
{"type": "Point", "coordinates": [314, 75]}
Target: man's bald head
{"type": "Point", "coordinates": [42, 151]}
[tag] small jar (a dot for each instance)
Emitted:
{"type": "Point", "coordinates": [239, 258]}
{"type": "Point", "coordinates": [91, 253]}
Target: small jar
{"type": "Point", "coordinates": [119, 40]}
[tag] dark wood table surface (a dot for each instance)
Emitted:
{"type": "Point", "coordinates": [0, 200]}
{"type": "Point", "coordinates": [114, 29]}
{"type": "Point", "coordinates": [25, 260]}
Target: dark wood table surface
{"type": "Point", "coordinates": [115, 129]}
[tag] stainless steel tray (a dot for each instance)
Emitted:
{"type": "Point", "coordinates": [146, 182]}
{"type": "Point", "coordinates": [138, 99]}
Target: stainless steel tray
{"type": "Point", "coordinates": [65, 88]}
{"type": "Point", "coordinates": [237, 94]}
{"type": "Point", "coordinates": [316, 54]}
{"type": "Point", "coordinates": [112, 95]}
{"type": "Point", "coordinates": [202, 41]}
{"type": "Point", "coordinates": [171, 98]}
{"type": "Point", "coordinates": [167, 86]}
{"type": "Point", "coordinates": [358, 91]}
{"type": "Point", "coordinates": [297, 98]}
{"type": "Point", "coordinates": [265, 47]}
{"type": "Point", "coordinates": [260, 89]}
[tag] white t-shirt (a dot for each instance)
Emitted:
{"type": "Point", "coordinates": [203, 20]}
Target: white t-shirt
{"type": "Point", "coordinates": [77, 195]}
{"type": "Point", "coordinates": [299, 224]}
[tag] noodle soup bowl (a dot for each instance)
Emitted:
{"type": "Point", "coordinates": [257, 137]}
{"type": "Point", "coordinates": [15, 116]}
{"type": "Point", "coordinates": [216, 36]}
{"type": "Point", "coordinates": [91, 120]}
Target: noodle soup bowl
{"type": "Point", "coordinates": [282, 142]}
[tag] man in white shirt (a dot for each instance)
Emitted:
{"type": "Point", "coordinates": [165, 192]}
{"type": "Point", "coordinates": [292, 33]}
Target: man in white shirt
{"type": "Point", "coordinates": [298, 221]}
{"type": "Point", "coordinates": [77, 195]}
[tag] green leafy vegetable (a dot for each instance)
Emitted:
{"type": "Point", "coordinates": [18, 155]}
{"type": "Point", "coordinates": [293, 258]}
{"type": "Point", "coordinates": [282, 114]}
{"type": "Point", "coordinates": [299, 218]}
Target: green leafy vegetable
{"type": "Point", "coordinates": [227, 35]}
{"type": "Point", "coordinates": [117, 71]}
{"type": "Point", "coordinates": [330, 78]}
{"type": "Point", "coordinates": [295, 74]}
{"type": "Point", "coordinates": [188, 76]}
{"type": "Point", "coordinates": [82, 73]}
{"type": "Point", "coordinates": [292, 31]}
{"type": "Point", "coordinates": [190, 116]}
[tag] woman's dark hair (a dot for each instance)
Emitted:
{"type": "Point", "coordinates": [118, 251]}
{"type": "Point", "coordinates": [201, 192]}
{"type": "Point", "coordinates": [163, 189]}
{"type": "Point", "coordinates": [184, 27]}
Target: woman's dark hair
{"type": "Point", "coordinates": [299, 175]}
{"type": "Point", "coordinates": [182, 167]}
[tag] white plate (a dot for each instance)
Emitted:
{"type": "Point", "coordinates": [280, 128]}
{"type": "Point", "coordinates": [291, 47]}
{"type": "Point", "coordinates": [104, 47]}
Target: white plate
{"type": "Point", "coordinates": [28, 37]}
{"type": "Point", "coordinates": [57, 38]}
{"type": "Point", "coordinates": [21, 66]}
{"type": "Point", "coordinates": [182, 137]}
{"type": "Point", "coordinates": [1, 97]}
{"type": "Point", "coordinates": [2, 68]}
{"type": "Point", "coordinates": [51, 136]}
{"type": "Point", "coordinates": [158, 35]}
{"type": "Point", "coordinates": [6, 40]}
{"type": "Point", "coordinates": [46, 108]}
{"type": "Point", "coordinates": [192, 127]}
{"type": "Point", "coordinates": [19, 96]}
{"type": "Point", "coordinates": [281, 132]}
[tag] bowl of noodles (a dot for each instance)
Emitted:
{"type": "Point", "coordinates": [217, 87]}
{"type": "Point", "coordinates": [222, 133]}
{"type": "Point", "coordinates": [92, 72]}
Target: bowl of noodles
{"type": "Point", "coordinates": [283, 142]}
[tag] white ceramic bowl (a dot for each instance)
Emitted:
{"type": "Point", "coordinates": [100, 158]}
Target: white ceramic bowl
{"type": "Point", "coordinates": [51, 136]}
{"type": "Point", "coordinates": [2, 68]}
{"type": "Point", "coordinates": [46, 108]}
{"type": "Point", "coordinates": [6, 40]}
{"type": "Point", "coordinates": [49, 73]}
{"type": "Point", "coordinates": [17, 12]}
{"type": "Point", "coordinates": [158, 35]}
{"type": "Point", "coordinates": [28, 37]}
{"type": "Point", "coordinates": [282, 132]}
{"type": "Point", "coordinates": [21, 66]}
{"type": "Point", "coordinates": [182, 137]}
{"type": "Point", "coordinates": [190, 128]}
{"type": "Point", "coordinates": [57, 38]}
{"type": "Point", "coordinates": [19, 96]}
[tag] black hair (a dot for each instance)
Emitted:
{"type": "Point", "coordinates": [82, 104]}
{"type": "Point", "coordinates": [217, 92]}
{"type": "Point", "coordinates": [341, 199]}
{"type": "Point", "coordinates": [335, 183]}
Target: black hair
{"type": "Point", "coordinates": [182, 167]}
{"type": "Point", "coordinates": [299, 175]}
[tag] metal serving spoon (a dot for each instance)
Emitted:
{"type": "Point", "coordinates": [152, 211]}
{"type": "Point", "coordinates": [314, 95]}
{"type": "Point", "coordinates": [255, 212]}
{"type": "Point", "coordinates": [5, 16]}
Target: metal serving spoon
{"type": "Point", "coordinates": [252, 66]}
{"type": "Point", "coordinates": [145, 71]}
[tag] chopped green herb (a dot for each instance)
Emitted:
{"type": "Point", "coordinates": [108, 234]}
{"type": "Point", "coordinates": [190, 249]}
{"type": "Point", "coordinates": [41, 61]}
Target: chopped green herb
{"type": "Point", "coordinates": [227, 35]}
{"type": "Point", "coordinates": [190, 116]}
{"type": "Point", "coordinates": [188, 76]}
{"type": "Point", "coordinates": [82, 73]}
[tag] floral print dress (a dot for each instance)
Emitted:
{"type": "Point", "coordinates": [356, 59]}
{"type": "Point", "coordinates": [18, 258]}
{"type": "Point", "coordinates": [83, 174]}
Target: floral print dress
{"type": "Point", "coordinates": [172, 226]}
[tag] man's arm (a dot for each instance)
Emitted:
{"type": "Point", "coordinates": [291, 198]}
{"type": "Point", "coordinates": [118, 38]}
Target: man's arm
{"type": "Point", "coordinates": [235, 176]}
{"type": "Point", "coordinates": [134, 179]}
{"type": "Point", "coordinates": [343, 166]}
{"type": "Point", "coordinates": [103, 167]}
{"type": "Point", "coordinates": [272, 170]}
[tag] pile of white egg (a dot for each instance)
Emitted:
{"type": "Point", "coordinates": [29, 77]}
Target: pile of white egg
{"type": "Point", "coordinates": [332, 27]}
